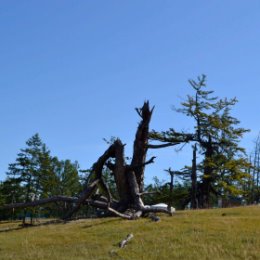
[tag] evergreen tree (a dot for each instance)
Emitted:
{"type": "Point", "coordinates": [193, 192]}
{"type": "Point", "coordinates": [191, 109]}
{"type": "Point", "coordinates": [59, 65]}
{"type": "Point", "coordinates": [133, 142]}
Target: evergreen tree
{"type": "Point", "coordinates": [38, 175]}
{"type": "Point", "coordinates": [67, 174]}
{"type": "Point", "coordinates": [10, 192]}
{"type": "Point", "coordinates": [30, 168]}
{"type": "Point", "coordinates": [161, 192]}
{"type": "Point", "coordinates": [217, 134]}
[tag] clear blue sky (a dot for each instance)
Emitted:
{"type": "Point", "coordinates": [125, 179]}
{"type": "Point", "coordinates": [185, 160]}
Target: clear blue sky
{"type": "Point", "coordinates": [74, 71]}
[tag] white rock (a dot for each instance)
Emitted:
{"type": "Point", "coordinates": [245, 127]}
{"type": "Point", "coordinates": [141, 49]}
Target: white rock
{"type": "Point", "coordinates": [160, 206]}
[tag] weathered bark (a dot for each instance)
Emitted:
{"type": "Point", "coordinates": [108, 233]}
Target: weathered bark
{"type": "Point", "coordinates": [156, 210]}
{"type": "Point", "coordinates": [84, 196]}
{"type": "Point", "coordinates": [171, 187]}
{"type": "Point", "coordinates": [141, 143]}
{"type": "Point", "coordinates": [126, 240]}
{"type": "Point", "coordinates": [194, 200]}
{"type": "Point", "coordinates": [119, 172]}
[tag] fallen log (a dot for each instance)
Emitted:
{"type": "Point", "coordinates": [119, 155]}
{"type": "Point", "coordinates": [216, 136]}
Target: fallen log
{"type": "Point", "coordinates": [126, 240]}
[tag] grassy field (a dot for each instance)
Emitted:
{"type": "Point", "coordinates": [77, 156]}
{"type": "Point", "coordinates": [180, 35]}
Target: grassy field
{"type": "Point", "coordinates": [203, 234]}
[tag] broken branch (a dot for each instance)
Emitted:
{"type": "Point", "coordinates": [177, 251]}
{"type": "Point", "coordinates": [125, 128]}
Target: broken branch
{"type": "Point", "coordinates": [158, 146]}
{"type": "Point", "coordinates": [126, 240]}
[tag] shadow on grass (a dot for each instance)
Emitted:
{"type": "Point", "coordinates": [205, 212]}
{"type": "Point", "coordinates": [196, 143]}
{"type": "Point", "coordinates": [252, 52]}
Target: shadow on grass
{"type": "Point", "coordinates": [51, 222]}
{"type": "Point", "coordinates": [26, 225]}
{"type": "Point", "coordinates": [4, 222]}
{"type": "Point", "coordinates": [105, 221]}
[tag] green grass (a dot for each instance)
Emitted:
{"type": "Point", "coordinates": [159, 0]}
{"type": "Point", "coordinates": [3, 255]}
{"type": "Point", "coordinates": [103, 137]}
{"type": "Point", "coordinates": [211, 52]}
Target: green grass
{"type": "Point", "coordinates": [203, 234]}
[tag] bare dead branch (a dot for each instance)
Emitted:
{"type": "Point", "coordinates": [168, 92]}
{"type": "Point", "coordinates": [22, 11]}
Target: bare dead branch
{"type": "Point", "coordinates": [126, 240]}
{"type": "Point", "coordinates": [134, 167]}
{"type": "Point", "coordinates": [156, 210]}
{"type": "Point", "coordinates": [100, 204]}
{"type": "Point", "coordinates": [148, 193]}
{"type": "Point", "coordinates": [106, 189]}
{"type": "Point", "coordinates": [150, 160]}
{"type": "Point", "coordinates": [140, 143]}
{"type": "Point", "coordinates": [158, 146]}
{"type": "Point", "coordinates": [139, 111]}
{"type": "Point", "coordinates": [84, 196]}
{"type": "Point", "coordinates": [121, 215]}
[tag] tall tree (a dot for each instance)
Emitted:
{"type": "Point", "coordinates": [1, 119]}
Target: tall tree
{"type": "Point", "coordinates": [254, 171]}
{"type": "Point", "coordinates": [67, 174]}
{"type": "Point", "coordinates": [217, 136]}
{"type": "Point", "coordinates": [30, 167]}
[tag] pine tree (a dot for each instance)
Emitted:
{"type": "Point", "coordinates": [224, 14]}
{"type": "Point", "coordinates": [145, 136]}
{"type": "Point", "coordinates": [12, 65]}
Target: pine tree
{"type": "Point", "coordinates": [217, 135]}
{"type": "Point", "coordinates": [10, 192]}
{"type": "Point", "coordinates": [67, 174]}
{"type": "Point", "coordinates": [30, 168]}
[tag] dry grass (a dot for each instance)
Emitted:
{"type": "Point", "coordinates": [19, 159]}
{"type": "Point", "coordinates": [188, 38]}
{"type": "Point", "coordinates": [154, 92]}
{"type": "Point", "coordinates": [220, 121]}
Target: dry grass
{"type": "Point", "coordinates": [203, 234]}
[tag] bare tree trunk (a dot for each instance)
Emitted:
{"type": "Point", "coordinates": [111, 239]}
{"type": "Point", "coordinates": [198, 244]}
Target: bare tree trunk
{"type": "Point", "coordinates": [194, 200]}
{"type": "Point", "coordinates": [258, 170]}
{"type": "Point", "coordinates": [141, 144]}
{"type": "Point", "coordinates": [207, 176]}
{"type": "Point", "coordinates": [171, 188]}
{"type": "Point", "coordinates": [119, 172]}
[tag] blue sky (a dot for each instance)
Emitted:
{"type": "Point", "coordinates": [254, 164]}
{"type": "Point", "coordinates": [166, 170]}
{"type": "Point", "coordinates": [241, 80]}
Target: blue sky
{"type": "Point", "coordinates": [74, 71]}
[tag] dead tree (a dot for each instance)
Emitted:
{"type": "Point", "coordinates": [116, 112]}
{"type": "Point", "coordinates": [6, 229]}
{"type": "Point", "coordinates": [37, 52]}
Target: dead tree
{"type": "Point", "coordinates": [171, 172]}
{"type": "Point", "coordinates": [129, 178]}
{"type": "Point", "coordinates": [194, 200]}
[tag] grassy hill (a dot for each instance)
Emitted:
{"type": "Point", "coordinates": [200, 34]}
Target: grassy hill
{"type": "Point", "coordinates": [203, 234]}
